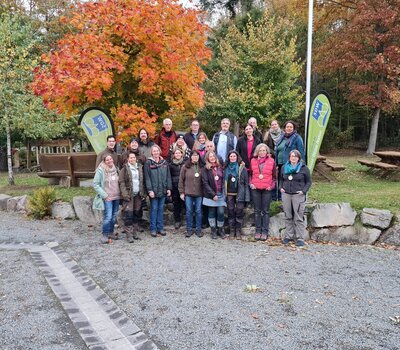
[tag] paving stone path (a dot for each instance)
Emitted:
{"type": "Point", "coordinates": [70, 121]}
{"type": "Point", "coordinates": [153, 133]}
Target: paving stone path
{"type": "Point", "coordinates": [99, 321]}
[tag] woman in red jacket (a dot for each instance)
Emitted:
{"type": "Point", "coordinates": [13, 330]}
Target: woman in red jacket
{"type": "Point", "coordinates": [262, 182]}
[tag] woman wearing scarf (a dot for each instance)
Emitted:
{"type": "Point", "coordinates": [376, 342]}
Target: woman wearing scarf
{"type": "Point", "coordinates": [296, 181]}
{"type": "Point", "coordinates": [131, 184]}
{"type": "Point", "coordinates": [237, 192]}
{"type": "Point", "coordinates": [213, 191]}
{"type": "Point", "coordinates": [105, 184]}
{"type": "Point", "coordinates": [287, 142]}
{"type": "Point", "coordinates": [190, 189]}
{"type": "Point", "coordinates": [158, 186]}
{"type": "Point", "coordinates": [262, 183]}
{"type": "Point", "coordinates": [200, 144]}
{"type": "Point", "coordinates": [175, 166]}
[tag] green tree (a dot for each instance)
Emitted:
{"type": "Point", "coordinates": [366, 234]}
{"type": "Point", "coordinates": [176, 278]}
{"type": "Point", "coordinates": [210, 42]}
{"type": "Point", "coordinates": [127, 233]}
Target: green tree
{"type": "Point", "coordinates": [254, 73]}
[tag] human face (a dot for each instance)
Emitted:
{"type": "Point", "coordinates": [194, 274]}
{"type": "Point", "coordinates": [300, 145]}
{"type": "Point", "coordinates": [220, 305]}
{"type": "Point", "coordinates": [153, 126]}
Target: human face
{"type": "Point", "coordinates": [289, 128]}
{"type": "Point", "coordinates": [155, 152]}
{"type": "Point", "coordinates": [195, 158]}
{"type": "Point", "coordinates": [195, 127]}
{"type": "Point", "coordinates": [248, 131]}
{"type": "Point", "coordinates": [293, 158]}
{"type": "Point", "coordinates": [109, 161]}
{"type": "Point", "coordinates": [201, 139]}
{"type": "Point", "coordinates": [262, 152]}
{"type": "Point", "coordinates": [233, 157]}
{"type": "Point", "coordinates": [143, 135]}
{"type": "Point", "coordinates": [225, 125]}
{"type": "Point", "coordinates": [180, 142]}
{"type": "Point", "coordinates": [212, 158]}
{"type": "Point", "coordinates": [134, 145]}
{"type": "Point", "coordinates": [210, 146]}
{"type": "Point", "coordinates": [167, 125]}
{"type": "Point", "coordinates": [253, 122]}
{"type": "Point", "coordinates": [132, 159]}
{"type": "Point", "coordinates": [178, 154]}
{"type": "Point", "coordinates": [274, 125]}
{"type": "Point", "coordinates": [111, 143]}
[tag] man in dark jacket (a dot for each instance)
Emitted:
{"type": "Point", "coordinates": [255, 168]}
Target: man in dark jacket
{"type": "Point", "coordinates": [224, 140]}
{"type": "Point", "coordinates": [166, 138]}
{"type": "Point", "coordinates": [191, 137]}
{"type": "Point", "coordinates": [109, 151]}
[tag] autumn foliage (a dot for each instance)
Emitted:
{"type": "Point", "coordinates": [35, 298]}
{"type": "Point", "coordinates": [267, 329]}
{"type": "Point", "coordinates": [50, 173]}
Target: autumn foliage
{"type": "Point", "coordinates": [139, 59]}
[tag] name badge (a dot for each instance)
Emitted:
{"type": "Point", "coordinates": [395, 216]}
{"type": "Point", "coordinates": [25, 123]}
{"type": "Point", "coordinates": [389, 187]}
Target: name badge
{"type": "Point", "coordinates": [196, 174]}
{"type": "Point", "coordinates": [290, 177]}
{"type": "Point", "coordinates": [233, 179]}
{"type": "Point", "coordinates": [216, 177]}
{"type": "Point", "coordinates": [260, 176]}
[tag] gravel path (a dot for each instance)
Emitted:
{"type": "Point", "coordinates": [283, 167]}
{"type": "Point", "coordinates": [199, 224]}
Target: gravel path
{"type": "Point", "coordinates": [190, 293]}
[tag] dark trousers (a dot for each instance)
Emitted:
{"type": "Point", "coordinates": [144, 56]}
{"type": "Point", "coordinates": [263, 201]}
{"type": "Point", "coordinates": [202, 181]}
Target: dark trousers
{"type": "Point", "coordinates": [261, 201]}
{"type": "Point", "coordinates": [276, 194]}
{"type": "Point", "coordinates": [134, 213]}
{"type": "Point", "coordinates": [235, 212]}
{"type": "Point", "coordinates": [178, 204]}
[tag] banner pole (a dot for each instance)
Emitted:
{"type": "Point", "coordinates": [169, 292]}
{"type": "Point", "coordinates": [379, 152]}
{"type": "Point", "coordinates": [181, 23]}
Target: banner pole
{"type": "Point", "coordinates": [309, 60]}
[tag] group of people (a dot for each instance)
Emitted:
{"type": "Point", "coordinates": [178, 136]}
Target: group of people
{"type": "Point", "coordinates": [205, 177]}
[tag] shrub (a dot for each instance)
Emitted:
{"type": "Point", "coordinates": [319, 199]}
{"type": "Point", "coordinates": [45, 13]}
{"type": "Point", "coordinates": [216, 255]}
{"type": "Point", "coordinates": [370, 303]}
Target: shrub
{"type": "Point", "coordinates": [40, 202]}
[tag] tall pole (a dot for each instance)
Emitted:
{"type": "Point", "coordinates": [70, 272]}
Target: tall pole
{"type": "Point", "coordinates": [309, 61]}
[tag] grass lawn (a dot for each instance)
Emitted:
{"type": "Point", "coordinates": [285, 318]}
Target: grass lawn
{"type": "Point", "coordinates": [356, 185]}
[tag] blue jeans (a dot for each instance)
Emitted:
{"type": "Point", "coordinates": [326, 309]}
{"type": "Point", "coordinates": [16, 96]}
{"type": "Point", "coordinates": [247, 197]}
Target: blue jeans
{"type": "Point", "coordinates": [110, 216]}
{"type": "Point", "coordinates": [189, 203]}
{"type": "Point", "coordinates": [157, 214]}
{"type": "Point", "coordinates": [216, 216]}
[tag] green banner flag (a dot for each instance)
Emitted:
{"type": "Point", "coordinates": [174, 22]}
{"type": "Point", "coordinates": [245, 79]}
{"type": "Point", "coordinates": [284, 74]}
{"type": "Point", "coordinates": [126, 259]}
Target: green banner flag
{"type": "Point", "coordinates": [318, 118]}
{"type": "Point", "coordinates": [97, 125]}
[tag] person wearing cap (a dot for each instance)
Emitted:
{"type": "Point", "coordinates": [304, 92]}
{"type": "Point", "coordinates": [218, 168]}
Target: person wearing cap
{"type": "Point", "coordinates": [166, 138]}
{"type": "Point", "coordinates": [108, 151]}
{"type": "Point", "coordinates": [182, 146]}
{"type": "Point", "coordinates": [133, 147]}
{"type": "Point", "coordinates": [191, 136]}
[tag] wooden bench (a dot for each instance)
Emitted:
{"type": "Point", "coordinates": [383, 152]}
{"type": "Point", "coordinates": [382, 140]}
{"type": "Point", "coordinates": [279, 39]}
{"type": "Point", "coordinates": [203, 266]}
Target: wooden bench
{"type": "Point", "coordinates": [378, 165]}
{"type": "Point", "coordinates": [74, 165]}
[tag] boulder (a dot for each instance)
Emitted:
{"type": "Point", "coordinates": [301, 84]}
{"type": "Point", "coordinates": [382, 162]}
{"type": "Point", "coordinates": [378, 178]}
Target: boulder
{"type": "Point", "coordinates": [62, 210]}
{"type": "Point", "coordinates": [378, 218]}
{"type": "Point", "coordinates": [18, 204]}
{"type": "Point", "coordinates": [84, 212]}
{"type": "Point", "coordinates": [277, 225]}
{"type": "Point", "coordinates": [391, 236]}
{"type": "Point", "coordinates": [347, 234]}
{"type": "Point", "coordinates": [3, 201]}
{"type": "Point", "coordinates": [332, 214]}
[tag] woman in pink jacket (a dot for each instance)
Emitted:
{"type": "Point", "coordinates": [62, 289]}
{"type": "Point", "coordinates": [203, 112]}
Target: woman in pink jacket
{"type": "Point", "coordinates": [262, 182]}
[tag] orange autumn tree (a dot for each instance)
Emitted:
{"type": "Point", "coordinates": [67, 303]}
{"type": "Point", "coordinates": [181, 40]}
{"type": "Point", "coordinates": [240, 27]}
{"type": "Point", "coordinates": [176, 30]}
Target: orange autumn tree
{"type": "Point", "coordinates": [139, 59]}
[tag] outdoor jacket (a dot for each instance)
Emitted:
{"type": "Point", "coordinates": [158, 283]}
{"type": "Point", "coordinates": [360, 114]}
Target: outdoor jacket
{"type": "Point", "coordinates": [189, 184]}
{"type": "Point", "coordinates": [157, 177]}
{"type": "Point", "coordinates": [189, 139]}
{"type": "Point", "coordinates": [145, 148]}
{"type": "Point", "coordinates": [231, 142]}
{"type": "Point", "coordinates": [98, 185]}
{"type": "Point", "coordinates": [107, 152]}
{"type": "Point", "coordinates": [209, 188]}
{"type": "Point", "coordinates": [241, 149]}
{"type": "Point", "coordinates": [165, 142]}
{"type": "Point", "coordinates": [301, 181]}
{"type": "Point", "coordinates": [268, 174]}
{"type": "Point", "coordinates": [285, 145]}
{"type": "Point", "coordinates": [123, 159]}
{"type": "Point", "coordinates": [125, 182]}
{"type": "Point", "coordinates": [243, 190]}
{"type": "Point", "coordinates": [175, 170]}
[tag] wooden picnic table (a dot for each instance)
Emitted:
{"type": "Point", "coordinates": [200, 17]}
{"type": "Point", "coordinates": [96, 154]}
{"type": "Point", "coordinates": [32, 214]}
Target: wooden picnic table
{"type": "Point", "coordinates": [390, 157]}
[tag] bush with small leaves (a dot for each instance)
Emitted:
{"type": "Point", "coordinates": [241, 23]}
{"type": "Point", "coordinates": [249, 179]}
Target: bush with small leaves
{"type": "Point", "coordinates": [40, 202]}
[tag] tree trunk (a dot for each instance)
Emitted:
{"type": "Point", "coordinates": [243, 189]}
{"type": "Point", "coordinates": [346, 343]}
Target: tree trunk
{"type": "Point", "coordinates": [28, 155]}
{"type": "Point", "coordinates": [9, 154]}
{"type": "Point", "coordinates": [374, 131]}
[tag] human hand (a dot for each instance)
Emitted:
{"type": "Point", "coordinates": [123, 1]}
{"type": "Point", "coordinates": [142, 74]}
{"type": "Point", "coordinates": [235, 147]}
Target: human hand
{"type": "Point", "coordinates": [182, 196]}
{"type": "Point", "coordinates": [215, 198]}
{"type": "Point", "coordinates": [252, 187]}
{"type": "Point", "coordinates": [299, 192]}
{"type": "Point", "coordinates": [168, 193]}
{"type": "Point", "coordinates": [151, 194]}
{"type": "Point", "coordinates": [282, 190]}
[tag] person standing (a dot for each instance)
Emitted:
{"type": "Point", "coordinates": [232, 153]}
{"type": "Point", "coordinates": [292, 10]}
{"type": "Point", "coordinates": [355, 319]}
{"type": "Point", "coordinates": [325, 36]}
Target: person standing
{"type": "Point", "coordinates": [190, 190]}
{"type": "Point", "coordinates": [182, 146]}
{"type": "Point", "coordinates": [175, 166]}
{"type": "Point", "coordinates": [224, 140]}
{"type": "Point", "coordinates": [262, 182]}
{"type": "Point", "coordinates": [214, 194]}
{"type": "Point", "coordinates": [108, 151]}
{"type": "Point", "coordinates": [158, 186]}
{"type": "Point", "coordinates": [145, 144]}
{"type": "Point", "coordinates": [246, 145]}
{"type": "Point", "coordinates": [105, 183]}
{"type": "Point", "coordinates": [131, 184]}
{"type": "Point", "coordinates": [296, 181]}
{"type": "Point", "coordinates": [272, 135]}
{"type": "Point", "coordinates": [133, 147]}
{"type": "Point", "coordinates": [191, 137]}
{"type": "Point", "coordinates": [166, 138]}
{"type": "Point", "coordinates": [200, 144]}
{"type": "Point", "coordinates": [237, 193]}
{"type": "Point", "coordinates": [257, 133]}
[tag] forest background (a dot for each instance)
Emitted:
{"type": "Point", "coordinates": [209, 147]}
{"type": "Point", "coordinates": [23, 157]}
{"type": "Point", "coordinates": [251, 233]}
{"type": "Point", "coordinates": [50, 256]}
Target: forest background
{"type": "Point", "coordinates": [144, 61]}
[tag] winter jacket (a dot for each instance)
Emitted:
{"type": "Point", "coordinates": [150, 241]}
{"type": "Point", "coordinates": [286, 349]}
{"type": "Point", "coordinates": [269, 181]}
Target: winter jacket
{"type": "Point", "coordinates": [175, 170]}
{"type": "Point", "coordinates": [125, 182]}
{"type": "Point", "coordinates": [243, 189]}
{"type": "Point", "coordinates": [285, 145]}
{"type": "Point", "coordinates": [165, 142]}
{"type": "Point", "coordinates": [98, 185]}
{"type": "Point", "coordinates": [301, 181]}
{"type": "Point", "coordinates": [268, 174]}
{"type": "Point", "coordinates": [107, 152]}
{"type": "Point", "coordinates": [189, 184]}
{"type": "Point", "coordinates": [157, 177]}
{"type": "Point", "coordinates": [145, 149]}
{"type": "Point", "coordinates": [123, 159]}
{"type": "Point", "coordinates": [209, 188]}
{"type": "Point", "coordinates": [241, 148]}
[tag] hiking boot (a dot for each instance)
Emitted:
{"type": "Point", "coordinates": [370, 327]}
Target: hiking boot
{"type": "Point", "coordinates": [199, 233]}
{"type": "Point", "coordinates": [153, 234]}
{"type": "Point", "coordinates": [239, 233]}
{"type": "Point", "coordinates": [178, 224]}
{"type": "Point", "coordinates": [264, 237]}
{"type": "Point", "coordinates": [257, 236]}
{"type": "Point", "coordinates": [162, 233]}
{"type": "Point", "coordinates": [221, 232]}
{"type": "Point", "coordinates": [232, 232]}
{"type": "Point", "coordinates": [213, 232]}
{"type": "Point", "coordinates": [188, 234]}
{"type": "Point", "coordinates": [286, 241]}
{"type": "Point", "coordinates": [300, 243]}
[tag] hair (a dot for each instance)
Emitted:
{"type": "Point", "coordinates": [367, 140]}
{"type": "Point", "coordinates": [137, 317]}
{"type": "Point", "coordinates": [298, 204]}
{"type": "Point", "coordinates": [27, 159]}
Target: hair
{"type": "Point", "coordinates": [134, 139]}
{"type": "Point", "coordinates": [247, 126]}
{"type": "Point", "coordinates": [196, 143]}
{"type": "Point", "coordinates": [239, 158]}
{"type": "Point", "coordinates": [110, 137]}
{"type": "Point", "coordinates": [274, 120]}
{"type": "Point", "coordinates": [188, 163]}
{"type": "Point", "coordinates": [252, 118]}
{"type": "Point", "coordinates": [207, 156]}
{"type": "Point", "coordinates": [255, 154]}
{"type": "Point", "coordinates": [105, 156]}
{"type": "Point", "coordinates": [157, 146]}
{"type": "Point", "coordinates": [141, 131]}
{"type": "Point", "coordinates": [291, 122]}
{"type": "Point", "coordinates": [166, 120]}
{"type": "Point", "coordinates": [225, 120]}
{"type": "Point", "coordinates": [296, 152]}
{"type": "Point", "coordinates": [194, 120]}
